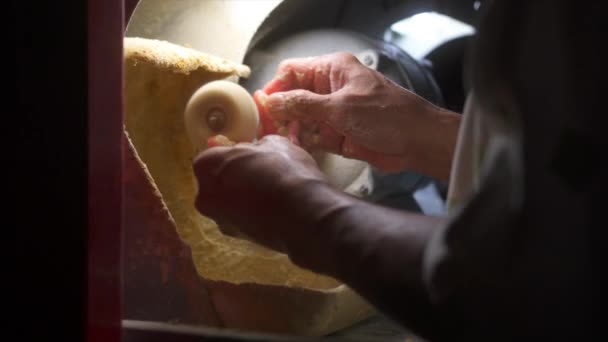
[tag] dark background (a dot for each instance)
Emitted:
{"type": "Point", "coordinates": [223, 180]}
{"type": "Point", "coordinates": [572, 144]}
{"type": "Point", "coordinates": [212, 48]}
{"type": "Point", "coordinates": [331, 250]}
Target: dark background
{"type": "Point", "coordinates": [48, 134]}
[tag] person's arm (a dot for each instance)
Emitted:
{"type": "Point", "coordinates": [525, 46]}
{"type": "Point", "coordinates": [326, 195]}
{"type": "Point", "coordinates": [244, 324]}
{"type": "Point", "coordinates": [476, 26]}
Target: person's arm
{"type": "Point", "coordinates": [377, 251]}
{"type": "Point", "coordinates": [274, 193]}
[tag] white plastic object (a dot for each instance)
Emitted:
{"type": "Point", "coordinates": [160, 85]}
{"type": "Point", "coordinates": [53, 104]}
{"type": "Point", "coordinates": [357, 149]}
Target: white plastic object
{"type": "Point", "coordinates": [221, 107]}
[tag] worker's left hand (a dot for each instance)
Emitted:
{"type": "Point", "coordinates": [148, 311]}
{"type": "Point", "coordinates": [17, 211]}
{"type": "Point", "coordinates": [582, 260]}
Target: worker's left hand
{"type": "Point", "coordinates": [271, 190]}
{"type": "Point", "coordinates": [336, 104]}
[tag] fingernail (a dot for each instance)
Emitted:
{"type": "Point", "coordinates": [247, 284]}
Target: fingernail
{"type": "Point", "coordinates": [275, 104]}
{"type": "Point", "coordinates": [219, 140]}
{"type": "Point", "coordinates": [283, 76]}
{"type": "Point", "coordinates": [300, 76]}
{"type": "Point", "coordinates": [262, 98]}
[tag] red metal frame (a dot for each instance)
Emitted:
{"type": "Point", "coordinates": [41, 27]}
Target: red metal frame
{"type": "Point", "coordinates": [105, 32]}
{"type": "Point", "coordinates": [107, 238]}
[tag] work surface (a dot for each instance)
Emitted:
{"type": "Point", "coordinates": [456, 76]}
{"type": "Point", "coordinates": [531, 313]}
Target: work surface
{"type": "Point", "coordinates": [378, 329]}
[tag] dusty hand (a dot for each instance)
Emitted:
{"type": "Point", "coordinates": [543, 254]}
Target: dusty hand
{"type": "Point", "coordinates": [271, 190]}
{"type": "Point", "coordinates": [346, 108]}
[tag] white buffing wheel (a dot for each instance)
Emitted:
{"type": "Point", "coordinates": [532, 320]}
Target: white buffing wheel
{"type": "Point", "coordinates": [221, 107]}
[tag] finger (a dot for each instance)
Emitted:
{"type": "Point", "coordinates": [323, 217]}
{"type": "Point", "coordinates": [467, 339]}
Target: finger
{"type": "Point", "coordinates": [322, 74]}
{"type": "Point", "coordinates": [208, 165]}
{"type": "Point", "coordinates": [293, 131]}
{"type": "Point", "coordinates": [272, 139]}
{"type": "Point", "coordinates": [219, 140]}
{"type": "Point", "coordinates": [310, 73]}
{"type": "Point", "coordinates": [268, 125]}
{"type": "Point", "coordinates": [298, 104]}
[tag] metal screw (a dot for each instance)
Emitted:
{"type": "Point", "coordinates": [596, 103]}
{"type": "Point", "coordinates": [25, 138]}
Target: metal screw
{"type": "Point", "coordinates": [216, 120]}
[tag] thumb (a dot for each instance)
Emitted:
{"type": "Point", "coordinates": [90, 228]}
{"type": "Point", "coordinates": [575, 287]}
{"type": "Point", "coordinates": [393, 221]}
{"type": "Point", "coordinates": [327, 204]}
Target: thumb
{"type": "Point", "coordinates": [298, 104]}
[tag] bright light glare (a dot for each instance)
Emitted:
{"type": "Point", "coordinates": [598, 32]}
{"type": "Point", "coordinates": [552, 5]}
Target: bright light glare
{"type": "Point", "coordinates": [421, 33]}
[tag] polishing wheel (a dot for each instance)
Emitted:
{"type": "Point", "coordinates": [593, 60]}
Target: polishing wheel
{"type": "Point", "coordinates": [221, 108]}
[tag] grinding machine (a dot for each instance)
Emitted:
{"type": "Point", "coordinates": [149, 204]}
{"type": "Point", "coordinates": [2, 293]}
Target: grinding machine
{"type": "Point", "coordinates": [418, 44]}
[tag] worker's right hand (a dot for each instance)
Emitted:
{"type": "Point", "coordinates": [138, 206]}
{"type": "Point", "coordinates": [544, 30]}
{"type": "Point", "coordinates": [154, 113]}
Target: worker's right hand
{"type": "Point", "coordinates": [347, 108]}
{"type": "Point", "coordinates": [271, 189]}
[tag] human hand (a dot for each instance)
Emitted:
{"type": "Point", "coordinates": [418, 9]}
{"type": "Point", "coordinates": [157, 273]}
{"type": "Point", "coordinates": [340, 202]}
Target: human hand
{"type": "Point", "coordinates": [271, 190]}
{"type": "Point", "coordinates": [335, 103]}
